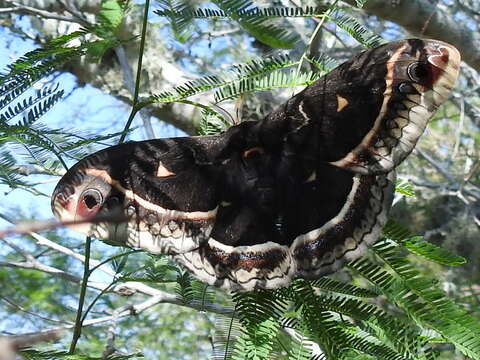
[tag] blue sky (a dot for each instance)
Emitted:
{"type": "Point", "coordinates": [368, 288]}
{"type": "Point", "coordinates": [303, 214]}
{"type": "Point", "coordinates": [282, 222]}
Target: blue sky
{"type": "Point", "coordinates": [83, 108]}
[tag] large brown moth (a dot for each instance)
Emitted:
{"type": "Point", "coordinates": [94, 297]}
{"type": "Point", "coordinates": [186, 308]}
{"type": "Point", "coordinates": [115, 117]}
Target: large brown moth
{"type": "Point", "coordinates": [292, 196]}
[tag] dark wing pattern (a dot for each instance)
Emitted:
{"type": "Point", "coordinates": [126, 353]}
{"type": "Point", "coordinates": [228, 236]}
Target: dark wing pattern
{"type": "Point", "coordinates": [292, 196]}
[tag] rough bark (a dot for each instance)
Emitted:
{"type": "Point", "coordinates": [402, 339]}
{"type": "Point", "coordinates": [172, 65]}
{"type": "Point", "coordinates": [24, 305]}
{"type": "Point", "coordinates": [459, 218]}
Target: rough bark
{"type": "Point", "coordinates": [430, 20]}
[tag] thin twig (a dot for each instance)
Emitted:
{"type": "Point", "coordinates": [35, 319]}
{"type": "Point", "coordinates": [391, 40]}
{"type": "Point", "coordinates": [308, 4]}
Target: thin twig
{"type": "Point", "coordinates": [315, 34]}
{"type": "Point", "coordinates": [110, 347]}
{"type": "Point", "coordinates": [130, 85]}
{"type": "Point", "coordinates": [453, 183]}
{"type": "Point", "coordinates": [141, 307]}
{"type": "Point", "coordinates": [160, 295]}
{"type": "Point", "coordinates": [48, 270]}
{"type": "Point", "coordinates": [436, 165]}
{"type": "Point", "coordinates": [219, 33]}
{"type": "Point", "coordinates": [72, 9]}
{"type": "Point", "coordinates": [94, 301]}
{"type": "Point", "coordinates": [139, 72]}
{"type": "Point", "coordinates": [20, 308]}
{"type": "Point", "coordinates": [32, 169]}
{"type": "Point", "coordinates": [473, 170]}
{"type": "Point", "coordinates": [28, 228]}
{"type": "Point", "coordinates": [458, 134]}
{"type": "Point", "coordinates": [26, 255]}
{"type": "Point", "coordinates": [131, 310]}
{"type": "Point", "coordinates": [10, 345]}
{"type": "Point", "coordinates": [27, 10]}
{"type": "Point", "coordinates": [43, 241]}
{"type": "Point", "coordinates": [83, 290]}
{"type": "Point", "coordinates": [131, 286]}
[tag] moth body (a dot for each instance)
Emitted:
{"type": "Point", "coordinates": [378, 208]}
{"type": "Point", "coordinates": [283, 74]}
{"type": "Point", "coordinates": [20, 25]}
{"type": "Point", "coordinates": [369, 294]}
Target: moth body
{"type": "Point", "coordinates": [295, 195]}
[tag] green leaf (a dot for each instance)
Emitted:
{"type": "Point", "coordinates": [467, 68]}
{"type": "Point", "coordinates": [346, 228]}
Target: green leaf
{"type": "Point", "coordinates": [212, 123]}
{"type": "Point", "coordinates": [118, 263]}
{"type": "Point", "coordinates": [257, 25]}
{"type": "Point", "coordinates": [274, 80]}
{"type": "Point", "coordinates": [422, 299]}
{"type": "Point", "coordinates": [33, 107]}
{"type": "Point", "coordinates": [360, 3]}
{"type": "Point", "coordinates": [359, 32]}
{"type": "Point", "coordinates": [256, 21]}
{"type": "Point", "coordinates": [328, 284]}
{"type": "Point", "coordinates": [159, 270]}
{"type": "Point", "coordinates": [227, 331]}
{"type": "Point", "coordinates": [432, 252]}
{"type": "Point", "coordinates": [96, 49]}
{"type": "Point", "coordinates": [259, 313]}
{"type": "Point", "coordinates": [59, 354]}
{"type": "Point", "coordinates": [109, 19]}
{"type": "Point", "coordinates": [396, 231]}
{"type": "Point", "coordinates": [180, 16]}
{"type": "Point", "coordinates": [404, 187]}
{"type": "Point", "coordinates": [112, 13]}
{"type": "Point", "coordinates": [256, 75]}
{"type": "Point", "coordinates": [323, 63]}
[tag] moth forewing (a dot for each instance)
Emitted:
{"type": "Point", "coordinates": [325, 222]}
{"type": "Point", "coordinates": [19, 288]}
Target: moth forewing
{"type": "Point", "coordinates": [295, 195]}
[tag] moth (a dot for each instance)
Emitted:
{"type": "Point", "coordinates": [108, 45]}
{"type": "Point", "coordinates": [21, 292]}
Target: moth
{"type": "Point", "coordinates": [294, 195]}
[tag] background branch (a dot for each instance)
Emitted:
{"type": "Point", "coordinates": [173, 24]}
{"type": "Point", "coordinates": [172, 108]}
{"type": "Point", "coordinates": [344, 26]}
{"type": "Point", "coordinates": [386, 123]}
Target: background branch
{"type": "Point", "coordinates": [427, 19]}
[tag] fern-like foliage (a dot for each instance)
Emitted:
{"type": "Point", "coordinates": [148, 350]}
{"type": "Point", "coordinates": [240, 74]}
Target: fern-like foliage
{"type": "Point", "coordinates": [258, 21]}
{"type": "Point", "coordinates": [227, 331]}
{"type": "Point", "coordinates": [341, 313]}
{"type": "Point", "coordinates": [27, 94]}
{"type": "Point", "coordinates": [427, 304]}
{"type": "Point", "coordinates": [192, 291]}
{"type": "Point", "coordinates": [33, 354]}
{"type": "Point", "coordinates": [180, 15]}
{"type": "Point", "coordinates": [256, 75]}
{"type": "Point", "coordinates": [404, 187]}
{"type": "Point", "coordinates": [212, 123]}
{"type": "Point", "coordinates": [355, 29]}
{"type": "Point", "coordinates": [432, 252]}
{"type": "Point", "coordinates": [326, 284]}
{"type": "Point", "coordinates": [259, 313]}
{"type": "Point", "coordinates": [328, 319]}
{"type": "Point", "coordinates": [36, 65]}
{"type": "Point", "coordinates": [261, 74]}
{"type": "Point", "coordinates": [418, 246]}
{"type": "Point", "coordinates": [242, 9]}
{"type": "Point", "coordinates": [271, 81]}
{"type": "Point", "coordinates": [255, 21]}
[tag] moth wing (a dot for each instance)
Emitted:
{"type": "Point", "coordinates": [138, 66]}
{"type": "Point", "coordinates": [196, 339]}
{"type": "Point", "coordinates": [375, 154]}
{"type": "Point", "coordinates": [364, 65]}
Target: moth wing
{"type": "Point", "coordinates": [370, 111]}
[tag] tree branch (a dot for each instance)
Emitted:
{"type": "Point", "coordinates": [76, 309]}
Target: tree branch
{"type": "Point", "coordinates": [43, 241]}
{"type": "Point", "coordinates": [20, 308]}
{"type": "Point", "coordinates": [125, 287]}
{"type": "Point", "coordinates": [36, 265]}
{"type": "Point", "coordinates": [425, 19]}
{"type": "Point", "coordinates": [436, 165]}
{"type": "Point", "coordinates": [27, 10]}
{"type": "Point", "coordinates": [9, 345]}
{"type": "Point", "coordinates": [72, 9]}
{"type": "Point", "coordinates": [162, 296]}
